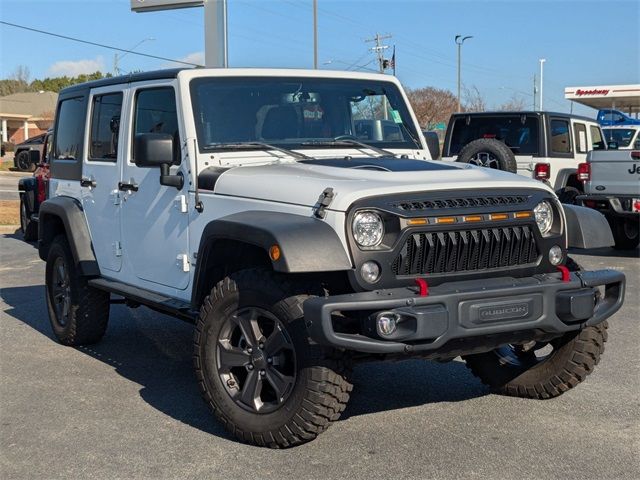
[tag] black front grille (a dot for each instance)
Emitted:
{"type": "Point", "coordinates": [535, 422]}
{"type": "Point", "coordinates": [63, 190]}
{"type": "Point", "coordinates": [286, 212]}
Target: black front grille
{"type": "Point", "coordinates": [462, 202]}
{"type": "Point", "coordinates": [466, 250]}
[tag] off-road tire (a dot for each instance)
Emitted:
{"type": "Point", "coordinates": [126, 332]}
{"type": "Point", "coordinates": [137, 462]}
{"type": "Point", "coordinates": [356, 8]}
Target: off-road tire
{"type": "Point", "coordinates": [568, 195]}
{"type": "Point", "coordinates": [23, 162]}
{"type": "Point", "coordinates": [576, 355]}
{"type": "Point", "coordinates": [505, 158]}
{"type": "Point", "coordinates": [625, 233]}
{"type": "Point", "coordinates": [29, 227]}
{"type": "Point", "coordinates": [88, 307]}
{"type": "Point", "coordinates": [321, 390]}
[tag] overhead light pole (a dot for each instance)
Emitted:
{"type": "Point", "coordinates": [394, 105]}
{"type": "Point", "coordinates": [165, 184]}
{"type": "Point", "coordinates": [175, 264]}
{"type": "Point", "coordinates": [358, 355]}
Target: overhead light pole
{"type": "Point", "coordinates": [459, 41]}
{"type": "Point", "coordinates": [118, 56]}
{"type": "Point", "coordinates": [542, 60]}
{"type": "Point", "coordinates": [315, 34]}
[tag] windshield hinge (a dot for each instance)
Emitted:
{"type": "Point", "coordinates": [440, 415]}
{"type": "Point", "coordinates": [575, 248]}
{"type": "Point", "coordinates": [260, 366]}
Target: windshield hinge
{"type": "Point", "coordinates": [324, 200]}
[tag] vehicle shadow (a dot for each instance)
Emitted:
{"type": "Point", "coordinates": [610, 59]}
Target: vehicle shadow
{"type": "Point", "coordinates": [606, 252]}
{"type": "Point", "coordinates": [154, 351]}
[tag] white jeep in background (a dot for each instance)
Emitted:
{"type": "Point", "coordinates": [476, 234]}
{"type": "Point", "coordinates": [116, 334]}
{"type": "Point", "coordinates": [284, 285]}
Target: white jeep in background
{"type": "Point", "coordinates": [546, 146]}
{"type": "Point", "coordinates": [294, 217]}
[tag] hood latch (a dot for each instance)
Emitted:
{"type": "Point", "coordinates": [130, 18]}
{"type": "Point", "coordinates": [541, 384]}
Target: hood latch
{"type": "Point", "coordinates": [324, 200]}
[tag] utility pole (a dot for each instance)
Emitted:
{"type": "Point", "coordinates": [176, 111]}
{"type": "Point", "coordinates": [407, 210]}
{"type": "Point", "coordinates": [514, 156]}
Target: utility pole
{"type": "Point", "coordinates": [315, 34]}
{"type": "Point", "coordinates": [542, 60]}
{"type": "Point", "coordinates": [379, 49]}
{"type": "Point", "coordinates": [459, 41]}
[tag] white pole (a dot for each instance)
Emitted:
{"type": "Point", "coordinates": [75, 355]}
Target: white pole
{"type": "Point", "coordinates": [542, 60]}
{"type": "Point", "coordinates": [315, 34]}
{"type": "Point", "coordinates": [215, 33]}
{"type": "Point", "coordinates": [4, 130]}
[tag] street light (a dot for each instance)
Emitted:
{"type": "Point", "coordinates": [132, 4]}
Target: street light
{"type": "Point", "coordinates": [117, 57]}
{"type": "Point", "coordinates": [542, 60]}
{"type": "Point", "coordinates": [459, 41]}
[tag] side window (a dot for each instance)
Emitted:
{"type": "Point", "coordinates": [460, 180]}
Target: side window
{"type": "Point", "coordinates": [69, 129]}
{"type": "Point", "coordinates": [155, 112]}
{"type": "Point", "coordinates": [580, 137]}
{"type": "Point", "coordinates": [105, 127]}
{"type": "Point", "coordinates": [560, 141]}
{"type": "Point", "coordinates": [597, 142]}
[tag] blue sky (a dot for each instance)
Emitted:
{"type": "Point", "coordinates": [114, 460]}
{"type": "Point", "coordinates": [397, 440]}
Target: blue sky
{"type": "Point", "coordinates": [584, 42]}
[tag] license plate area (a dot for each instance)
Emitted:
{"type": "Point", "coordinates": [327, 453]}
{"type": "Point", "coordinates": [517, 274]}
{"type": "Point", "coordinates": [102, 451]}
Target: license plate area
{"type": "Point", "coordinates": [492, 311]}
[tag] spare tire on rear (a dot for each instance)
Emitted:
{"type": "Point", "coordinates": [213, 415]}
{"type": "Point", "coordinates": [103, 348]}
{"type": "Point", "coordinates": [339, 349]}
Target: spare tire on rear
{"type": "Point", "coordinates": [488, 152]}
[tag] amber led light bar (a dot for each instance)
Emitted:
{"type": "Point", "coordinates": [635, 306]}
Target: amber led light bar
{"type": "Point", "coordinates": [495, 217]}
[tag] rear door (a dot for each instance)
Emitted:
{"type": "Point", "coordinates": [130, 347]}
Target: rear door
{"type": "Point", "coordinates": [101, 174]}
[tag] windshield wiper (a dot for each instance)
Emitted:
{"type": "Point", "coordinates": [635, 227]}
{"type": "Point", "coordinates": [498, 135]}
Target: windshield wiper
{"type": "Point", "coordinates": [349, 142]}
{"type": "Point", "coordinates": [254, 146]}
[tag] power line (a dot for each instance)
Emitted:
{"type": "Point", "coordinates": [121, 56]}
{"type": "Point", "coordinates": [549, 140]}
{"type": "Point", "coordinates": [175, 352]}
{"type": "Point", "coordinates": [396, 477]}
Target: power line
{"type": "Point", "coordinates": [101, 45]}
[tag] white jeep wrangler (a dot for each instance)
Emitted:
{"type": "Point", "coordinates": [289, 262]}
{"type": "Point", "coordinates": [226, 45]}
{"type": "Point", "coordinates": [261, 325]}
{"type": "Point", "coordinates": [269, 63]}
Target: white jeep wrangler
{"type": "Point", "coordinates": [295, 218]}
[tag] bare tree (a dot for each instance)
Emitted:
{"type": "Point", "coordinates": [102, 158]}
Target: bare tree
{"type": "Point", "coordinates": [515, 103]}
{"type": "Point", "coordinates": [432, 105]}
{"type": "Point", "coordinates": [473, 100]}
{"type": "Point", "coordinates": [21, 74]}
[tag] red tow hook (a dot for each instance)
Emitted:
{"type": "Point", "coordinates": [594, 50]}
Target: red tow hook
{"type": "Point", "coordinates": [566, 275]}
{"type": "Point", "coordinates": [423, 287]}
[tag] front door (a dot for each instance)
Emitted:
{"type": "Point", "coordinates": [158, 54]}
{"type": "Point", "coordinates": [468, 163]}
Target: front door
{"type": "Point", "coordinates": [101, 174]}
{"type": "Point", "coordinates": [154, 217]}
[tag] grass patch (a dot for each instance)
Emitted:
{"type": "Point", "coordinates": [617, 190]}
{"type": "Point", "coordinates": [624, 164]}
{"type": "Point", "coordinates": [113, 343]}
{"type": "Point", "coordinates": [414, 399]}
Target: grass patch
{"type": "Point", "coordinates": [6, 166]}
{"type": "Point", "coordinates": [9, 212]}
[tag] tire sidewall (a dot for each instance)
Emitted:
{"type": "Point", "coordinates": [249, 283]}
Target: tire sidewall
{"type": "Point", "coordinates": [59, 248]}
{"type": "Point", "coordinates": [261, 297]}
{"type": "Point", "coordinates": [24, 224]}
{"type": "Point", "coordinates": [503, 154]}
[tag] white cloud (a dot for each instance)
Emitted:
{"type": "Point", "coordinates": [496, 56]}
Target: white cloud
{"type": "Point", "coordinates": [73, 68]}
{"type": "Point", "coordinates": [194, 57]}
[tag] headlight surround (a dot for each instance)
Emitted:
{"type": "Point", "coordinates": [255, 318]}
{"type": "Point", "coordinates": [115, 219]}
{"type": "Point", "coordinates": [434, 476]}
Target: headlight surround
{"type": "Point", "coordinates": [544, 217]}
{"type": "Point", "coordinates": [367, 228]}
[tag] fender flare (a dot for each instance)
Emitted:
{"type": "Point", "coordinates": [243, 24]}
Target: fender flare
{"type": "Point", "coordinates": [68, 211]}
{"type": "Point", "coordinates": [587, 228]}
{"type": "Point", "coordinates": [306, 244]}
{"type": "Point", "coordinates": [27, 188]}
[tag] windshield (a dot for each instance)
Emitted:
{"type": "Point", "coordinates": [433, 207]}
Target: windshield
{"type": "Point", "coordinates": [296, 112]}
{"type": "Point", "coordinates": [518, 132]}
{"type": "Point", "coordinates": [623, 136]}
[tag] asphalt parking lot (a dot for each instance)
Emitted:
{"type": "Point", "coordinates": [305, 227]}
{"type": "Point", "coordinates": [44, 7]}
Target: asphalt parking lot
{"type": "Point", "coordinates": [129, 407]}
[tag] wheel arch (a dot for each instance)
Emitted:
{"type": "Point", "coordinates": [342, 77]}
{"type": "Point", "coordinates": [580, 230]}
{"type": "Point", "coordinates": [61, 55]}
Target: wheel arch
{"type": "Point", "coordinates": [64, 216]}
{"type": "Point", "coordinates": [243, 240]}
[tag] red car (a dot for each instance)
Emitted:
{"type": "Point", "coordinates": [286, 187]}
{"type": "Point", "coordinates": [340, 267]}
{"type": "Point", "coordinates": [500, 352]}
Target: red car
{"type": "Point", "coordinates": [33, 190]}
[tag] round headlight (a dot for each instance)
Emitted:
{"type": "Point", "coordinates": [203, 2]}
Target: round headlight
{"type": "Point", "coordinates": [368, 229]}
{"type": "Point", "coordinates": [544, 217]}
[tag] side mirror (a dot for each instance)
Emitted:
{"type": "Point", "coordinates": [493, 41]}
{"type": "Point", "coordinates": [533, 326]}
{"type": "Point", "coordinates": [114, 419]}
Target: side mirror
{"type": "Point", "coordinates": [612, 145]}
{"type": "Point", "coordinates": [156, 150]}
{"type": "Point", "coordinates": [433, 144]}
{"type": "Point", "coordinates": [34, 157]}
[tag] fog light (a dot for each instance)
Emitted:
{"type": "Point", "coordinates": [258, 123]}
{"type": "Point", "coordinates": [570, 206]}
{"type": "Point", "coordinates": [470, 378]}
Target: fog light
{"type": "Point", "coordinates": [386, 323]}
{"type": "Point", "coordinates": [370, 272]}
{"type": "Point", "coordinates": [555, 255]}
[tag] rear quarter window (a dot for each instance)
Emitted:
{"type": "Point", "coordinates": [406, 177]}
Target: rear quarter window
{"type": "Point", "coordinates": [560, 137]}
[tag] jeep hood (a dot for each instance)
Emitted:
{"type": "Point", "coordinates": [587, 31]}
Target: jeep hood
{"type": "Point", "coordinates": [301, 183]}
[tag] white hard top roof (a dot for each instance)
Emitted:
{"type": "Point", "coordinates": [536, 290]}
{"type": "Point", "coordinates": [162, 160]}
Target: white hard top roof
{"type": "Point", "coordinates": [616, 97]}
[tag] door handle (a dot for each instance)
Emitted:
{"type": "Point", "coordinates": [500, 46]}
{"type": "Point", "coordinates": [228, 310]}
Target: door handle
{"type": "Point", "coordinates": [128, 187]}
{"type": "Point", "coordinates": [87, 182]}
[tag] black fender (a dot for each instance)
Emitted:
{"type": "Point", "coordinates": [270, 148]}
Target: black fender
{"type": "Point", "coordinates": [65, 215]}
{"type": "Point", "coordinates": [587, 228]}
{"type": "Point", "coordinates": [27, 189]}
{"type": "Point", "coordinates": [307, 244]}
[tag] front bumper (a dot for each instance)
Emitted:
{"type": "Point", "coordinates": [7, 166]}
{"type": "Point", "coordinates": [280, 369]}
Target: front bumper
{"type": "Point", "coordinates": [488, 312]}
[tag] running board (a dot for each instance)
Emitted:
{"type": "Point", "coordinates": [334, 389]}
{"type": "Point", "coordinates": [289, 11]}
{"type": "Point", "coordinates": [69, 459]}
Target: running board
{"type": "Point", "coordinates": [156, 301]}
